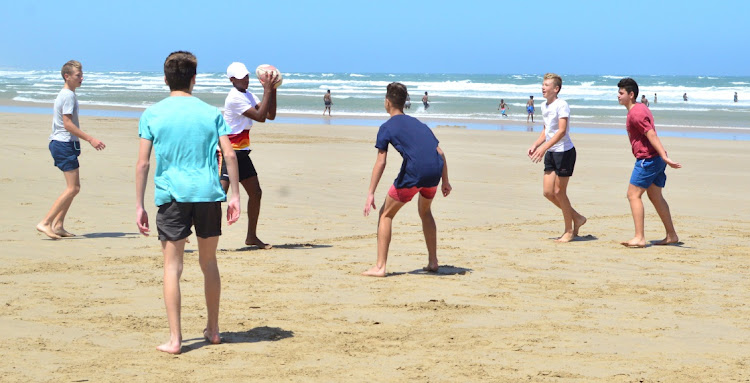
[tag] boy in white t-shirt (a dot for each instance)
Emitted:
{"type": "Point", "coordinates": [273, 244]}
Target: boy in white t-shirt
{"type": "Point", "coordinates": [241, 107]}
{"type": "Point", "coordinates": [555, 146]}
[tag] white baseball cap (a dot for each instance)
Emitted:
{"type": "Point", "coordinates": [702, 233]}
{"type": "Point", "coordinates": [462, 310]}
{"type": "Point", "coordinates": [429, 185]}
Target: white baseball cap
{"type": "Point", "coordinates": [237, 70]}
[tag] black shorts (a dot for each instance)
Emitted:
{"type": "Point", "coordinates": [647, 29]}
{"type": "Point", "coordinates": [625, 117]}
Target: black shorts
{"type": "Point", "coordinates": [561, 162]}
{"type": "Point", "coordinates": [174, 219]}
{"type": "Point", "coordinates": [245, 164]}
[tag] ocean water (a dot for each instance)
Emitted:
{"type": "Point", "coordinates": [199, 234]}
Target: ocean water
{"type": "Point", "coordinates": [467, 97]}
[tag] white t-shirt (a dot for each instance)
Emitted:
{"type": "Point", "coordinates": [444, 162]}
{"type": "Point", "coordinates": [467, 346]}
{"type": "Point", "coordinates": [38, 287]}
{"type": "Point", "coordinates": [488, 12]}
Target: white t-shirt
{"type": "Point", "coordinates": [65, 103]}
{"type": "Point", "coordinates": [235, 104]}
{"type": "Point", "coordinates": [552, 114]}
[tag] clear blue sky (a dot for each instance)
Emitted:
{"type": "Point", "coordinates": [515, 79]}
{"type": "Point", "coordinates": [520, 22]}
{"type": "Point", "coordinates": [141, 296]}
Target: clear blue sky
{"type": "Point", "coordinates": [417, 36]}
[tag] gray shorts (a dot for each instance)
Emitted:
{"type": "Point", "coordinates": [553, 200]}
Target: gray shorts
{"type": "Point", "coordinates": [174, 219]}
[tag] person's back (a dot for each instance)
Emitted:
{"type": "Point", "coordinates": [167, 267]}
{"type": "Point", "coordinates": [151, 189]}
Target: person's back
{"type": "Point", "coordinates": [422, 165]}
{"type": "Point", "coordinates": [183, 130]}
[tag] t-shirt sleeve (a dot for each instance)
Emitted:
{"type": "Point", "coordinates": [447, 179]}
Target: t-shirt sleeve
{"type": "Point", "coordinates": [642, 121]}
{"type": "Point", "coordinates": [144, 130]}
{"type": "Point", "coordinates": [563, 111]}
{"type": "Point", "coordinates": [69, 103]}
{"type": "Point", "coordinates": [221, 125]}
{"type": "Point", "coordinates": [383, 138]}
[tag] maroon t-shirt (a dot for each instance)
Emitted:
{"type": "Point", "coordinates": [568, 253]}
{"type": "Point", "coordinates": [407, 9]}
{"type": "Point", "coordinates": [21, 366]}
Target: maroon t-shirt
{"type": "Point", "coordinates": [639, 121]}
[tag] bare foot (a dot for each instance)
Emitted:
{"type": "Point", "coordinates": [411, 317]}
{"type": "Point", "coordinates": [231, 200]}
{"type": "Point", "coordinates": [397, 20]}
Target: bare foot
{"type": "Point", "coordinates": [257, 242]}
{"type": "Point", "coordinates": [47, 231]}
{"type": "Point", "coordinates": [431, 268]}
{"type": "Point", "coordinates": [170, 348]}
{"type": "Point", "coordinates": [63, 233]}
{"type": "Point", "coordinates": [567, 237]}
{"type": "Point", "coordinates": [375, 272]}
{"type": "Point", "coordinates": [669, 240]}
{"type": "Point", "coordinates": [634, 243]}
{"type": "Point", "coordinates": [577, 225]}
{"type": "Point", "coordinates": [214, 338]}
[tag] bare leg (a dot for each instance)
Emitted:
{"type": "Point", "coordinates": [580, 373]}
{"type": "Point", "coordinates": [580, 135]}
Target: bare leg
{"type": "Point", "coordinates": [430, 233]}
{"type": "Point", "coordinates": [254, 192]}
{"type": "Point", "coordinates": [662, 208]}
{"type": "Point", "coordinates": [211, 286]}
{"type": "Point", "coordinates": [173, 252]}
{"type": "Point", "coordinates": [555, 190]}
{"type": "Point", "coordinates": [56, 216]}
{"type": "Point", "coordinates": [636, 207]}
{"type": "Point", "coordinates": [385, 222]}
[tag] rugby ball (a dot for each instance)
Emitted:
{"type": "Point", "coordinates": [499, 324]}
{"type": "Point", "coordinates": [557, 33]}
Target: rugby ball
{"type": "Point", "coordinates": [262, 69]}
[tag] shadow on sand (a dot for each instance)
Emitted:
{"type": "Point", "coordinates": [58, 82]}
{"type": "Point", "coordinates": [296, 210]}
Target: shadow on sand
{"type": "Point", "coordinates": [286, 246]}
{"type": "Point", "coordinates": [258, 334]}
{"type": "Point", "coordinates": [108, 235]}
{"type": "Point", "coordinates": [442, 270]}
{"type": "Point", "coordinates": [580, 238]}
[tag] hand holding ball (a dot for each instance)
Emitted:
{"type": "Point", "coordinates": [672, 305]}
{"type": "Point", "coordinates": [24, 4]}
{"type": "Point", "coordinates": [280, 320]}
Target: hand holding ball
{"type": "Point", "coordinates": [262, 70]}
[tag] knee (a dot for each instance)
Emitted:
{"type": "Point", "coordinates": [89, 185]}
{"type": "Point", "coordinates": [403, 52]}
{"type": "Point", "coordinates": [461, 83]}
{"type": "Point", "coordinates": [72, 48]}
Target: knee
{"type": "Point", "coordinates": [559, 194]}
{"type": "Point", "coordinates": [74, 190]}
{"type": "Point", "coordinates": [549, 194]}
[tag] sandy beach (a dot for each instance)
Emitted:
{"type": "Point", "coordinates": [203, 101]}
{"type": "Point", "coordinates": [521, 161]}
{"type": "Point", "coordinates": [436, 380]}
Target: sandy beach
{"type": "Point", "coordinates": [508, 305]}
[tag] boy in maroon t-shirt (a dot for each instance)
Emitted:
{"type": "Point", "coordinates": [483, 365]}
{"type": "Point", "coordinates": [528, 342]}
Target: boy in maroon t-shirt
{"type": "Point", "coordinates": [651, 161]}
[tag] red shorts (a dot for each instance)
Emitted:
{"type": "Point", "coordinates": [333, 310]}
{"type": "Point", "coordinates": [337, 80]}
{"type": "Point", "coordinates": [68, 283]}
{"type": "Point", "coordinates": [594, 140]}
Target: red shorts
{"type": "Point", "coordinates": [406, 194]}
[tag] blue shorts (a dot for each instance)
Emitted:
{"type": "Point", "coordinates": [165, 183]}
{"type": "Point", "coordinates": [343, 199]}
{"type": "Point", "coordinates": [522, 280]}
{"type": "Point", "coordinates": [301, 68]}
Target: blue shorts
{"type": "Point", "coordinates": [65, 154]}
{"type": "Point", "coordinates": [649, 171]}
{"type": "Point", "coordinates": [530, 109]}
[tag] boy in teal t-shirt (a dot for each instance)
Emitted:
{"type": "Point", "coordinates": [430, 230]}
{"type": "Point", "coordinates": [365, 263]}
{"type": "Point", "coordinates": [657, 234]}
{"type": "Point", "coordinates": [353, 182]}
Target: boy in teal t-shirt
{"type": "Point", "coordinates": [184, 132]}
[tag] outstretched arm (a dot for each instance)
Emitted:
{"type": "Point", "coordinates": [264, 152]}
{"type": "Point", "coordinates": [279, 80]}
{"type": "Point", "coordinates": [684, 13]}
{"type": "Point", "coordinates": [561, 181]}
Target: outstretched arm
{"type": "Point", "coordinates": [656, 143]}
{"type": "Point", "coordinates": [377, 173]}
{"type": "Point", "coordinates": [446, 188]}
{"type": "Point", "coordinates": [141, 179]}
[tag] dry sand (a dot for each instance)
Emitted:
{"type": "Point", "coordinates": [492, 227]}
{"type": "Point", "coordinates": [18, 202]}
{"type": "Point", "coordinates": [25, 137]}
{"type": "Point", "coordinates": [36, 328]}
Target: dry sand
{"type": "Point", "coordinates": [510, 304]}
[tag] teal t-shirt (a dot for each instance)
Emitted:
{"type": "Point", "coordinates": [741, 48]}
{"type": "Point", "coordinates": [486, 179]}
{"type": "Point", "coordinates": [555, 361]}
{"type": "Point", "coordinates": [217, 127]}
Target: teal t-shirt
{"type": "Point", "coordinates": [185, 133]}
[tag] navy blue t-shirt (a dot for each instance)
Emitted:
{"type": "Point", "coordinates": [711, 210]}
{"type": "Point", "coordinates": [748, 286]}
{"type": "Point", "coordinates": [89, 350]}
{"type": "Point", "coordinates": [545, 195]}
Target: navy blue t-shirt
{"type": "Point", "coordinates": [422, 166]}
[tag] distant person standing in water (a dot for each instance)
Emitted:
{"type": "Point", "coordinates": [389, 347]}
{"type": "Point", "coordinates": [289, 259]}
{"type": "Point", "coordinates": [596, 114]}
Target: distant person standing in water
{"type": "Point", "coordinates": [503, 108]}
{"type": "Point", "coordinates": [684, 97]}
{"type": "Point", "coordinates": [644, 100]}
{"type": "Point", "coordinates": [654, 98]}
{"type": "Point", "coordinates": [530, 109]}
{"type": "Point", "coordinates": [426, 101]}
{"type": "Point", "coordinates": [327, 102]}
{"type": "Point", "coordinates": [407, 105]}
{"type": "Point", "coordinates": [735, 96]}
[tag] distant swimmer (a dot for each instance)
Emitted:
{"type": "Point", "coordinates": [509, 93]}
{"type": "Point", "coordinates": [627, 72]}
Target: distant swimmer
{"type": "Point", "coordinates": [684, 97]}
{"type": "Point", "coordinates": [644, 100]}
{"type": "Point", "coordinates": [503, 108]}
{"type": "Point", "coordinates": [530, 109]}
{"type": "Point", "coordinates": [735, 96]}
{"type": "Point", "coordinates": [426, 101]}
{"type": "Point", "coordinates": [654, 98]}
{"type": "Point", "coordinates": [327, 102]}
{"type": "Point", "coordinates": [407, 105]}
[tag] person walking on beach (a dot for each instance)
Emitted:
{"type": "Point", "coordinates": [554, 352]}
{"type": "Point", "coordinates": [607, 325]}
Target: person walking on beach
{"type": "Point", "coordinates": [184, 131]}
{"type": "Point", "coordinates": [327, 103]}
{"type": "Point", "coordinates": [426, 101]}
{"type": "Point", "coordinates": [735, 96]}
{"type": "Point", "coordinates": [654, 98]}
{"type": "Point", "coordinates": [684, 97]}
{"type": "Point", "coordinates": [644, 100]}
{"type": "Point", "coordinates": [241, 107]}
{"type": "Point", "coordinates": [530, 109]}
{"type": "Point", "coordinates": [503, 107]}
{"type": "Point", "coordinates": [423, 168]}
{"type": "Point", "coordinates": [65, 147]}
{"type": "Point", "coordinates": [651, 161]}
{"type": "Point", "coordinates": [556, 148]}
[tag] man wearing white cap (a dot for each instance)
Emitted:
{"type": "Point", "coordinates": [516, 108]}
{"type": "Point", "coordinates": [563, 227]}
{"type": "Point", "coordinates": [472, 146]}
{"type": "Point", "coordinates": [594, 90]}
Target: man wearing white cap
{"type": "Point", "coordinates": [241, 107]}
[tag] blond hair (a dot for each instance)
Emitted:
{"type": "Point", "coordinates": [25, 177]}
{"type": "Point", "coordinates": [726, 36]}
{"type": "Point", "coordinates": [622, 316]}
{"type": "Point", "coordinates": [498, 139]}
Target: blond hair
{"type": "Point", "coordinates": [69, 66]}
{"type": "Point", "coordinates": [557, 80]}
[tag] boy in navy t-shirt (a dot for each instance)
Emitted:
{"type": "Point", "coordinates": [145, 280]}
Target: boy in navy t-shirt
{"type": "Point", "coordinates": [422, 169]}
